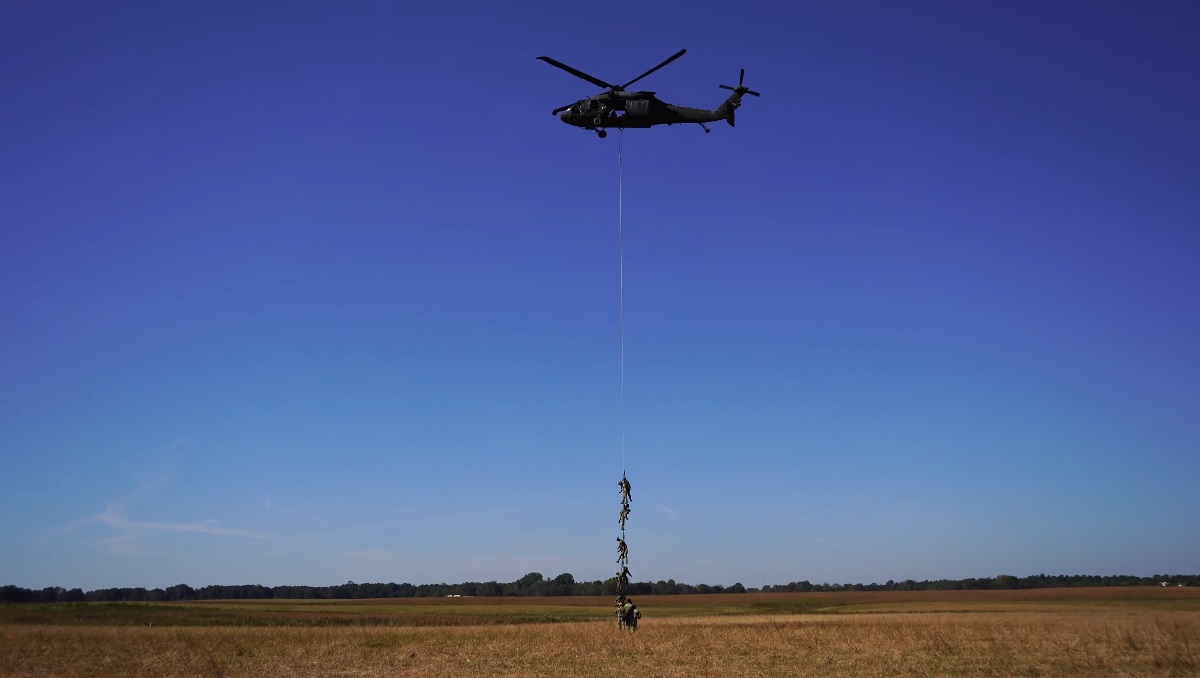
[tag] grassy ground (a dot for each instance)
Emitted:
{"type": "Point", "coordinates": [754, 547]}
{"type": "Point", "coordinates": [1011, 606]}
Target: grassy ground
{"type": "Point", "coordinates": [1063, 632]}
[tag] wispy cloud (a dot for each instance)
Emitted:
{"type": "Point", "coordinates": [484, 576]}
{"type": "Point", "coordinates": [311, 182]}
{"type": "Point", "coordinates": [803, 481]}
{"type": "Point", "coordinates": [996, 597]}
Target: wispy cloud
{"type": "Point", "coordinates": [116, 516]}
{"type": "Point", "coordinates": [669, 512]}
{"type": "Point", "coordinates": [132, 532]}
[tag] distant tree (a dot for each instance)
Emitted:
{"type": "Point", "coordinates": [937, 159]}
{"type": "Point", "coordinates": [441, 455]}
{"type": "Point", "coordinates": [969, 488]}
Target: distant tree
{"type": "Point", "coordinates": [179, 592]}
{"type": "Point", "coordinates": [526, 585]}
{"type": "Point", "coordinates": [562, 585]}
{"type": "Point", "coordinates": [534, 584]}
{"type": "Point", "coordinates": [1005, 581]}
{"type": "Point", "coordinates": [610, 586]}
{"type": "Point", "coordinates": [15, 594]}
{"type": "Point", "coordinates": [531, 578]}
{"type": "Point", "coordinates": [589, 588]}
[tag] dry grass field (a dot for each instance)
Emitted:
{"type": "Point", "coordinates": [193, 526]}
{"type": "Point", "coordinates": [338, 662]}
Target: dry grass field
{"type": "Point", "coordinates": [1054, 632]}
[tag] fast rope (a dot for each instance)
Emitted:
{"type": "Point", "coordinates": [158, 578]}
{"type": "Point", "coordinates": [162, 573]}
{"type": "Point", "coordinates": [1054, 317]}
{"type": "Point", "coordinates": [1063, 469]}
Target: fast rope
{"type": "Point", "coordinates": [627, 612]}
{"type": "Point", "coordinates": [621, 274]}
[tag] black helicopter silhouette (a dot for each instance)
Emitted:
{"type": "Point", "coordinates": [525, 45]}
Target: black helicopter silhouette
{"type": "Point", "coordinates": [623, 109]}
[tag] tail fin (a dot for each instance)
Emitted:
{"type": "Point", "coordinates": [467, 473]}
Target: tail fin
{"type": "Point", "coordinates": [727, 109]}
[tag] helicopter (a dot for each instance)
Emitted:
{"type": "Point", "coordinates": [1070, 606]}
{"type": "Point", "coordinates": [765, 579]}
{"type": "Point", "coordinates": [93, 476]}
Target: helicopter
{"type": "Point", "coordinates": [624, 109]}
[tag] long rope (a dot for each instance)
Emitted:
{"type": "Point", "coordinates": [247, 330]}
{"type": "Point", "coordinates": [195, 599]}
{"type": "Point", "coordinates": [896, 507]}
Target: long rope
{"type": "Point", "coordinates": [621, 268]}
{"type": "Point", "coordinates": [627, 613]}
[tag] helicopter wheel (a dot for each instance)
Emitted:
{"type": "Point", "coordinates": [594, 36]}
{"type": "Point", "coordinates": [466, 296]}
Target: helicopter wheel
{"type": "Point", "coordinates": [601, 133]}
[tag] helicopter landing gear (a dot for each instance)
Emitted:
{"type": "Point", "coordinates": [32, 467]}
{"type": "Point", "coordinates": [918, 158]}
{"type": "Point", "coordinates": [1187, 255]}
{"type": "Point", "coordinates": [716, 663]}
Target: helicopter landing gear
{"type": "Point", "coordinates": [601, 133]}
{"type": "Point", "coordinates": [706, 129]}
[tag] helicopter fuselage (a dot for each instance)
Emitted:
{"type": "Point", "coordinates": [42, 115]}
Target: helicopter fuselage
{"type": "Point", "coordinates": [632, 113]}
{"type": "Point", "coordinates": [638, 110]}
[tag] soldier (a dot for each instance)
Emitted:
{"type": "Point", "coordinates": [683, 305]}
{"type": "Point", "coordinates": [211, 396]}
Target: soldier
{"type": "Point", "coordinates": [624, 515]}
{"type": "Point", "coordinates": [627, 614]}
{"type": "Point", "coordinates": [634, 615]}
{"type": "Point", "coordinates": [620, 611]}
{"type": "Point", "coordinates": [622, 550]}
{"type": "Point", "coordinates": [623, 579]}
{"type": "Point", "coordinates": [624, 485]}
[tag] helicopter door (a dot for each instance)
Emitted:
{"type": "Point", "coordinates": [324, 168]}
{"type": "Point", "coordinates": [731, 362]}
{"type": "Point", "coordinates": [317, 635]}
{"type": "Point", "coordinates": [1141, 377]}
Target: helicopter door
{"type": "Point", "coordinates": [638, 108]}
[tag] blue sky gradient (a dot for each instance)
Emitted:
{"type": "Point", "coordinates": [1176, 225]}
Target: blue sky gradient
{"type": "Point", "coordinates": [302, 293]}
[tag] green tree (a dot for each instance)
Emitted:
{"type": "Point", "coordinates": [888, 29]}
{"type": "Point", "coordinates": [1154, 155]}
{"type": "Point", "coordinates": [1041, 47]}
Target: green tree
{"type": "Point", "coordinates": [562, 585]}
{"type": "Point", "coordinates": [528, 585]}
{"type": "Point", "coordinates": [1005, 581]}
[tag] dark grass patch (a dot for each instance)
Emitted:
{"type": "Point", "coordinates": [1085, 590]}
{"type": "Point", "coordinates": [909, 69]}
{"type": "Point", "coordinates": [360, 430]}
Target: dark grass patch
{"type": "Point", "coordinates": [172, 615]}
{"type": "Point", "coordinates": [443, 612]}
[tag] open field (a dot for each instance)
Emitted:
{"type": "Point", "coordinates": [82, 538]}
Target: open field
{"type": "Point", "coordinates": [1048, 632]}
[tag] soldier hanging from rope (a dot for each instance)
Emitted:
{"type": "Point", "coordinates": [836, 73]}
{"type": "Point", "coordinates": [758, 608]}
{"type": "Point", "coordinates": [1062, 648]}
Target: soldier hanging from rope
{"type": "Point", "coordinates": [623, 605]}
{"type": "Point", "coordinates": [622, 584]}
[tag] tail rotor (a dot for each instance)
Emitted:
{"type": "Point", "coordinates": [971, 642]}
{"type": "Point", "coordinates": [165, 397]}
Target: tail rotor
{"type": "Point", "coordinates": [741, 89]}
{"type": "Point", "coordinates": [731, 104]}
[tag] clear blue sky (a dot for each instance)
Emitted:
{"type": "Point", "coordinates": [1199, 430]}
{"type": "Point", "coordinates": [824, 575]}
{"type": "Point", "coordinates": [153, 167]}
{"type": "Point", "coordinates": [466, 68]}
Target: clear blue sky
{"type": "Point", "coordinates": [302, 293]}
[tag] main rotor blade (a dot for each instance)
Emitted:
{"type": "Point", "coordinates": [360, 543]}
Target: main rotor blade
{"type": "Point", "coordinates": [577, 73]}
{"type": "Point", "coordinates": [669, 60]}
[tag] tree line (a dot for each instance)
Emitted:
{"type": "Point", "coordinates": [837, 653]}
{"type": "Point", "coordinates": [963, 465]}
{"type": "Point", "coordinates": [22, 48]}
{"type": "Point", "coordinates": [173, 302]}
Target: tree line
{"type": "Point", "coordinates": [534, 584]}
{"type": "Point", "coordinates": [1004, 581]}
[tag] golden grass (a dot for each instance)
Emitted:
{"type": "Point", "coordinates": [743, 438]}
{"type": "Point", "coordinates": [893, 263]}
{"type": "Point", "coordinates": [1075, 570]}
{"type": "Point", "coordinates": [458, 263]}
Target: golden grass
{"type": "Point", "coordinates": [1017, 644]}
{"type": "Point", "coordinates": [1099, 637]}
